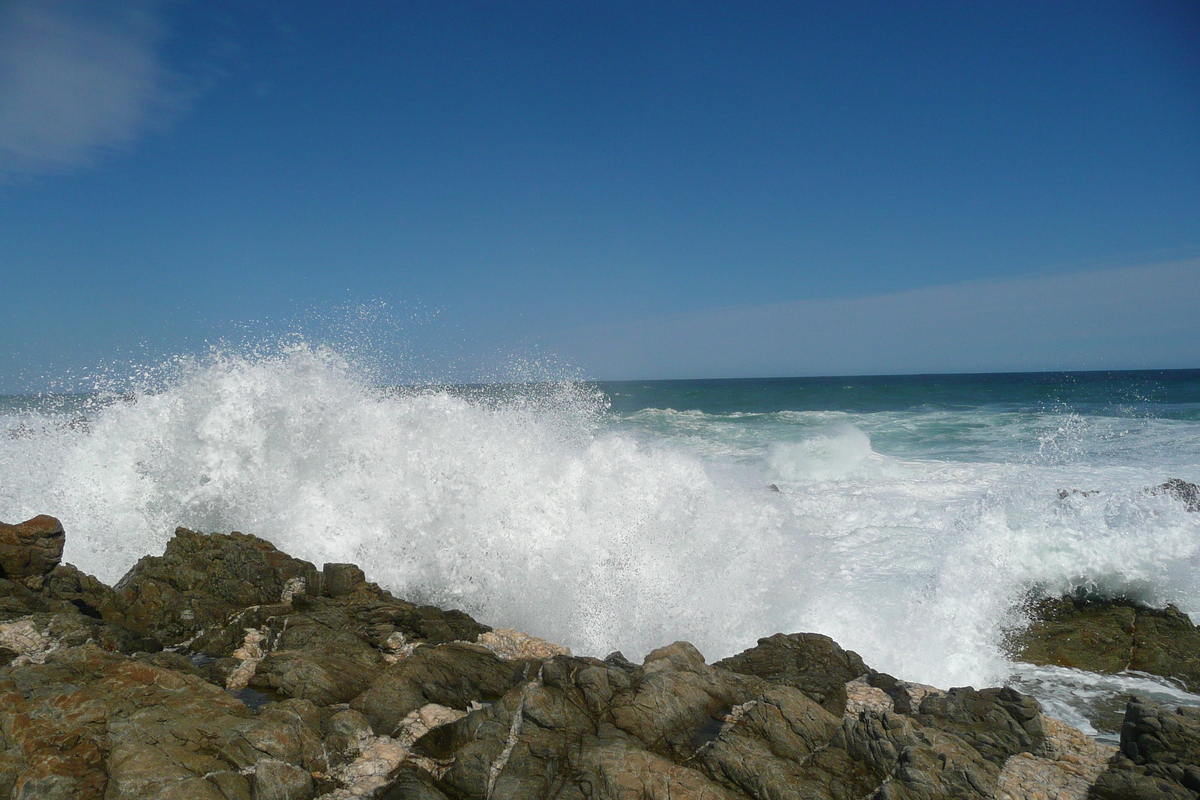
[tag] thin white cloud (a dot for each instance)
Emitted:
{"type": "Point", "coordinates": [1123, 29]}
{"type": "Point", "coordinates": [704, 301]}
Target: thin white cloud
{"type": "Point", "coordinates": [79, 78]}
{"type": "Point", "coordinates": [1127, 318]}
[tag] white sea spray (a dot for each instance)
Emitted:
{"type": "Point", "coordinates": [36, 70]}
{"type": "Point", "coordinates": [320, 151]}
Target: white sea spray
{"type": "Point", "coordinates": [911, 537]}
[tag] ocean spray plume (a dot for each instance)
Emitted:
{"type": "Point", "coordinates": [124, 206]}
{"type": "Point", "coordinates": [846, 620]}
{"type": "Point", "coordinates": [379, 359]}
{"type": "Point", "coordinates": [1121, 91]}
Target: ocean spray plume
{"type": "Point", "coordinates": [519, 509]}
{"type": "Point", "coordinates": [533, 506]}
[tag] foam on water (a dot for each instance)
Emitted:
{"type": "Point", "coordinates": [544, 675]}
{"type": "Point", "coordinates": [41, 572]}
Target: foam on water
{"type": "Point", "coordinates": [535, 507]}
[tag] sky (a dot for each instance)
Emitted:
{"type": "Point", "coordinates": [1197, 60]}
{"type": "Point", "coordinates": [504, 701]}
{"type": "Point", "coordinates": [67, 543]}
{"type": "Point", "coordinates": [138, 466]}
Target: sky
{"type": "Point", "coordinates": [629, 190]}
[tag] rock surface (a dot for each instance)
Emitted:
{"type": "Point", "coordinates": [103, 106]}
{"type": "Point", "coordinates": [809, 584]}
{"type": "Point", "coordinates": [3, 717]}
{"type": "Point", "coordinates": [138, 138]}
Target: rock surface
{"type": "Point", "coordinates": [1111, 636]}
{"type": "Point", "coordinates": [31, 549]}
{"type": "Point", "coordinates": [810, 662]}
{"type": "Point", "coordinates": [1181, 490]}
{"type": "Point", "coordinates": [1159, 755]}
{"type": "Point", "coordinates": [280, 680]}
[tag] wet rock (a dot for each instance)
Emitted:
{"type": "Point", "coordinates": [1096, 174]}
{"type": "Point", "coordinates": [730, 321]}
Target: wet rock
{"type": "Point", "coordinates": [252, 703]}
{"type": "Point", "coordinates": [676, 727]}
{"type": "Point", "coordinates": [1159, 755]}
{"type": "Point", "coordinates": [906, 760]}
{"type": "Point", "coordinates": [1110, 636]}
{"type": "Point", "coordinates": [30, 549]}
{"type": "Point", "coordinates": [810, 662]}
{"type": "Point", "coordinates": [1181, 490]}
{"type": "Point", "coordinates": [998, 723]}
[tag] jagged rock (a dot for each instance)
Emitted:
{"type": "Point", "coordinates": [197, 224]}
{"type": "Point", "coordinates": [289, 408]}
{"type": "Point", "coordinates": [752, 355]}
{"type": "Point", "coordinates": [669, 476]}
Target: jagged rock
{"type": "Point", "coordinates": [93, 724]}
{"type": "Point", "coordinates": [907, 761]}
{"type": "Point", "coordinates": [30, 549]}
{"type": "Point", "coordinates": [345, 733]}
{"type": "Point", "coordinates": [1071, 764]}
{"type": "Point", "coordinates": [997, 722]}
{"type": "Point", "coordinates": [432, 717]}
{"type": "Point", "coordinates": [278, 780]}
{"type": "Point", "coordinates": [453, 675]}
{"type": "Point", "coordinates": [676, 727]}
{"type": "Point", "coordinates": [89, 596]}
{"type": "Point", "coordinates": [810, 662]}
{"type": "Point", "coordinates": [1110, 636]}
{"type": "Point", "coordinates": [18, 600]}
{"type": "Point", "coordinates": [412, 783]}
{"type": "Point", "coordinates": [34, 636]}
{"type": "Point", "coordinates": [343, 579]}
{"type": "Point", "coordinates": [201, 579]}
{"type": "Point", "coordinates": [1181, 490]}
{"type": "Point", "coordinates": [1159, 755]}
{"type": "Point", "coordinates": [513, 645]}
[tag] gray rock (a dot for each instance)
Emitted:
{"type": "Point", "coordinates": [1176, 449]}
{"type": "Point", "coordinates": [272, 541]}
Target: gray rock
{"type": "Point", "coordinates": [810, 662]}
{"type": "Point", "coordinates": [1159, 756]}
{"type": "Point", "coordinates": [996, 722]}
{"type": "Point", "coordinates": [1181, 490]}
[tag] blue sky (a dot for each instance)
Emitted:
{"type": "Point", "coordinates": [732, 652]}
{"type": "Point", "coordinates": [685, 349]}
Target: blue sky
{"type": "Point", "coordinates": [632, 189]}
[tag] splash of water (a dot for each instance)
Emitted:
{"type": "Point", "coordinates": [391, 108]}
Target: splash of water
{"type": "Point", "coordinates": [531, 506]}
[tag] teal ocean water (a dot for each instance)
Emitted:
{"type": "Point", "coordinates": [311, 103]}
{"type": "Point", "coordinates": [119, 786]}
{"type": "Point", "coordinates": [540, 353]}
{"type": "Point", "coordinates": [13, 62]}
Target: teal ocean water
{"type": "Point", "coordinates": [908, 517]}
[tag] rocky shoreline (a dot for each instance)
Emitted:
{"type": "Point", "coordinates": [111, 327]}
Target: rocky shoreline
{"type": "Point", "coordinates": [229, 670]}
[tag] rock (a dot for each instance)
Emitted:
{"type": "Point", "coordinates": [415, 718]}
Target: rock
{"type": "Point", "coordinates": [31, 549]}
{"type": "Point", "coordinates": [89, 596]}
{"type": "Point", "coordinates": [1159, 755]}
{"type": "Point", "coordinates": [810, 662]}
{"type": "Point", "coordinates": [18, 600]}
{"type": "Point", "coordinates": [342, 579]}
{"type": "Point", "coordinates": [278, 780]}
{"type": "Point", "coordinates": [251, 703]}
{"type": "Point", "coordinates": [676, 727]}
{"type": "Point", "coordinates": [1181, 490]}
{"type": "Point", "coordinates": [513, 645]}
{"type": "Point", "coordinates": [902, 759]}
{"type": "Point", "coordinates": [35, 636]}
{"type": "Point", "coordinates": [412, 783]}
{"type": "Point", "coordinates": [202, 579]}
{"type": "Point", "coordinates": [453, 675]}
{"type": "Point", "coordinates": [996, 722]}
{"type": "Point", "coordinates": [1071, 764]}
{"type": "Point", "coordinates": [1110, 636]}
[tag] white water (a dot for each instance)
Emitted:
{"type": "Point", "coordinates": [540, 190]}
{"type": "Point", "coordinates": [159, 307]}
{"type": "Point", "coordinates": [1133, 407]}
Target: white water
{"type": "Point", "coordinates": [537, 511]}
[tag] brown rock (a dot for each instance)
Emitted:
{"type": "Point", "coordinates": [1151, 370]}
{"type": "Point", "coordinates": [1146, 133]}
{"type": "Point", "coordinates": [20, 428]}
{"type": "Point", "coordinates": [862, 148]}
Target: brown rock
{"type": "Point", "coordinates": [451, 675]}
{"type": "Point", "coordinates": [201, 579]}
{"type": "Point", "coordinates": [1110, 636]}
{"type": "Point", "coordinates": [31, 549]}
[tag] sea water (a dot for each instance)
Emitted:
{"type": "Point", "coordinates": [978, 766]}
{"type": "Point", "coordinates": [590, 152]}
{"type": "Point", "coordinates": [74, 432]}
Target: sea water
{"type": "Point", "coordinates": [907, 517]}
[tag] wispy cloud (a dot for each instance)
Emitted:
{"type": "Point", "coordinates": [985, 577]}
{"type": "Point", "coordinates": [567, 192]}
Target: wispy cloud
{"type": "Point", "coordinates": [1123, 318]}
{"type": "Point", "coordinates": [79, 78]}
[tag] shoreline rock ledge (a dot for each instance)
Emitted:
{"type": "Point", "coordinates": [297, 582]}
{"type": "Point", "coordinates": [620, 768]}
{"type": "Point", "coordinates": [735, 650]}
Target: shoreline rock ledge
{"type": "Point", "coordinates": [225, 669]}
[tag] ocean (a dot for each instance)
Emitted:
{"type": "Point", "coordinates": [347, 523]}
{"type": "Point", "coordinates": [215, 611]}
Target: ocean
{"type": "Point", "coordinates": [908, 517]}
